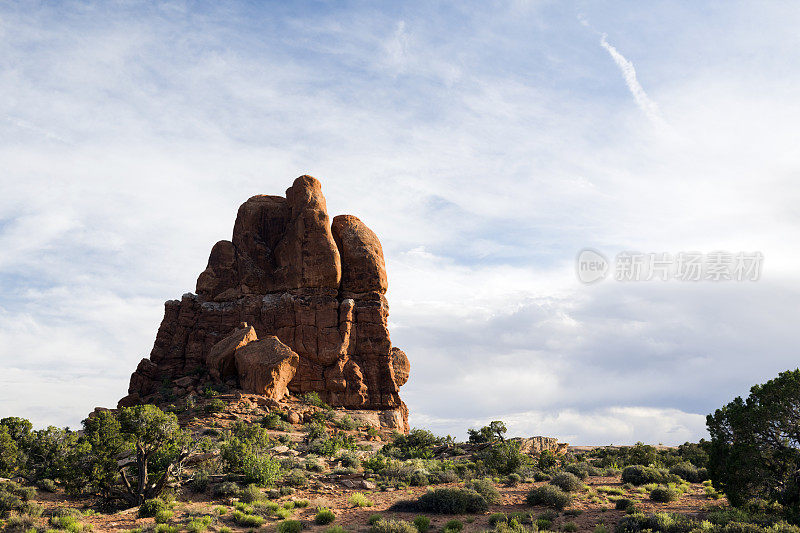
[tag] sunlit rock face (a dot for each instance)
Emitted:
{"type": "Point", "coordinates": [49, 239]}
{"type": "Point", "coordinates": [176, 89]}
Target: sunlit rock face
{"type": "Point", "coordinates": [288, 272]}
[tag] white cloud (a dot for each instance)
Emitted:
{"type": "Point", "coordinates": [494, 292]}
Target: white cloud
{"type": "Point", "coordinates": [485, 147]}
{"type": "Point", "coordinates": [613, 425]}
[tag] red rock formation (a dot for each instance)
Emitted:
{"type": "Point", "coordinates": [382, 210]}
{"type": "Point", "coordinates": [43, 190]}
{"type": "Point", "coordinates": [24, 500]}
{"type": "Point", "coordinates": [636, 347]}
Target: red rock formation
{"type": "Point", "coordinates": [288, 273]}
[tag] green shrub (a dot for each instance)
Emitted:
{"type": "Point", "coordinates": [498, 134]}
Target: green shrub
{"type": "Point", "coordinates": [422, 523]}
{"type": "Point", "coordinates": [549, 496]}
{"type": "Point", "coordinates": [245, 451]}
{"type": "Point", "coordinates": [313, 464]}
{"type": "Point", "coordinates": [349, 459]}
{"type": "Point", "coordinates": [624, 504]}
{"type": "Point", "coordinates": [324, 516]}
{"type": "Point", "coordinates": [452, 501]}
{"type": "Point", "coordinates": [151, 507]}
{"type": "Point", "coordinates": [496, 518]}
{"type": "Point", "coordinates": [642, 475]}
{"type": "Point", "coordinates": [300, 504]}
{"type": "Point", "coordinates": [251, 493]}
{"type": "Point", "coordinates": [312, 398]}
{"type": "Point", "coordinates": [198, 524]}
{"type": "Point", "coordinates": [418, 444]}
{"type": "Point", "coordinates": [610, 490]}
{"type": "Point", "coordinates": [689, 472]}
{"type": "Point", "coordinates": [594, 471]}
{"type": "Point", "coordinates": [65, 511]}
{"type": "Point", "coordinates": [12, 496]}
{"type": "Point", "coordinates": [290, 526]}
{"type": "Point", "coordinates": [69, 523]}
{"type": "Point", "coordinates": [547, 460]}
{"type": "Point", "coordinates": [581, 471]}
{"type": "Point", "coordinates": [523, 518]}
{"type": "Point", "coordinates": [18, 522]}
{"type": "Point", "coordinates": [570, 527]}
{"type": "Point", "coordinates": [392, 526]}
{"type": "Point", "coordinates": [664, 523]}
{"type": "Point", "coordinates": [373, 518]}
{"type": "Point", "coordinates": [419, 478]}
{"type": "Point", "coordinates": [243, 507]}
{"type": "Point", "coordinates": [47, 485]}
{"type": "Point", "coordinates": [566, 481]}
{"type": "Point", "coordinates": [30, 509]}
{"type": "Point", "coordinates": [347, 423]}
{"type": "Point", "coordinates": [335, 529]}
{"type": "Point", "coordinates": [601, 528]}
{"type": "Point", "coordinates": [663, 494]}
{"type": "Point", "coordinates": [215, 406]}
{"type": "Point", "coordinates": [199, 482]}
{"type": "Point", "coordinates": [359, 500]}
{"type": "Point", "coordinates": [447, 476]}
{"type": "Point", "coordinates": [163, 516]}
{"type": "Point", "coordinates": [273, 421]}
{"type": "Point", "coordinates": [377, 463]}
{"type": "Point", "coordinates": [485, 488]}
{"type": "Point", "coordinates": [296, 478]}
{"type": "Point", "coordinates": [246, 520]}
{"type": "Point", "coordinates": [513, 479]}
{"type": "Point", "coordinates": [262, 508]}
{"type": "Point", "coordinates": [502, 458]}
{"type": "Point", "coordinates": [260, 468]}
{"type": "Point", "coordinates": [283, 512]}
{"type": "Point", "coordinates": [226, 488]}
{"type": "Point", "coordinates": [328, 445]}
{"type": "Point", "coordinates": [453, 526]}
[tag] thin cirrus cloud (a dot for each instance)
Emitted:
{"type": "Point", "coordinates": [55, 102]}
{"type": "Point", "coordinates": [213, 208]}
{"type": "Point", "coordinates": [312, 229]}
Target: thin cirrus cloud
{"type": "Point", "coordinates": [648, 106]}
{"type": "Point", "coordinates": [485, 146]}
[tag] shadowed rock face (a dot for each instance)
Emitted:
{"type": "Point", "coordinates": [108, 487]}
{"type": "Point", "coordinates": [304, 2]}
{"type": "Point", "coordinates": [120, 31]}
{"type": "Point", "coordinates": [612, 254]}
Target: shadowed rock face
{"type": "Point", "coordinates": [288, 272]}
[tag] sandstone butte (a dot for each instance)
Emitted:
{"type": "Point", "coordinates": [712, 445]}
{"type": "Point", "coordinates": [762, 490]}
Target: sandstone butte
{"type": "Point", "coordinates": [293, 303]}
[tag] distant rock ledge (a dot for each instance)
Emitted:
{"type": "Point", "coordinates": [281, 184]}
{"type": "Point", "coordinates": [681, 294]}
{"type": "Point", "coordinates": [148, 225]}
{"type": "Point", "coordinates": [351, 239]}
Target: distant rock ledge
{"type": "Point", "coordinates": [537, 445]}
{"type": "Point", "coordinates": [293, 303]}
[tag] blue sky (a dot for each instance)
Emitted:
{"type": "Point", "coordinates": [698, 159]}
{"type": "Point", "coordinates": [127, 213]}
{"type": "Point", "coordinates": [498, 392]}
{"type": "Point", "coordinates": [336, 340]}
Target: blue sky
{"type": "Point", "coordinates": [485, 142]}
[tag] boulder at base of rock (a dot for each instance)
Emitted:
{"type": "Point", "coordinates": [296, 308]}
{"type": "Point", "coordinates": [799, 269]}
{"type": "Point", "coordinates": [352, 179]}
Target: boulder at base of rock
{"type": "Point", "coordinates": [266, 366]}
{"type": "Point", "coordinates": [220, 360]}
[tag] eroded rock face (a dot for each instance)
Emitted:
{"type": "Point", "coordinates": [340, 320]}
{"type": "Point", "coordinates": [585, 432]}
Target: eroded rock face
{"type": "Point", "coordinates": [289, 273]}
{"type": "Point", "coordinates": [363, 270]}
{"type": "Point", "coordinates": [400, 366]}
